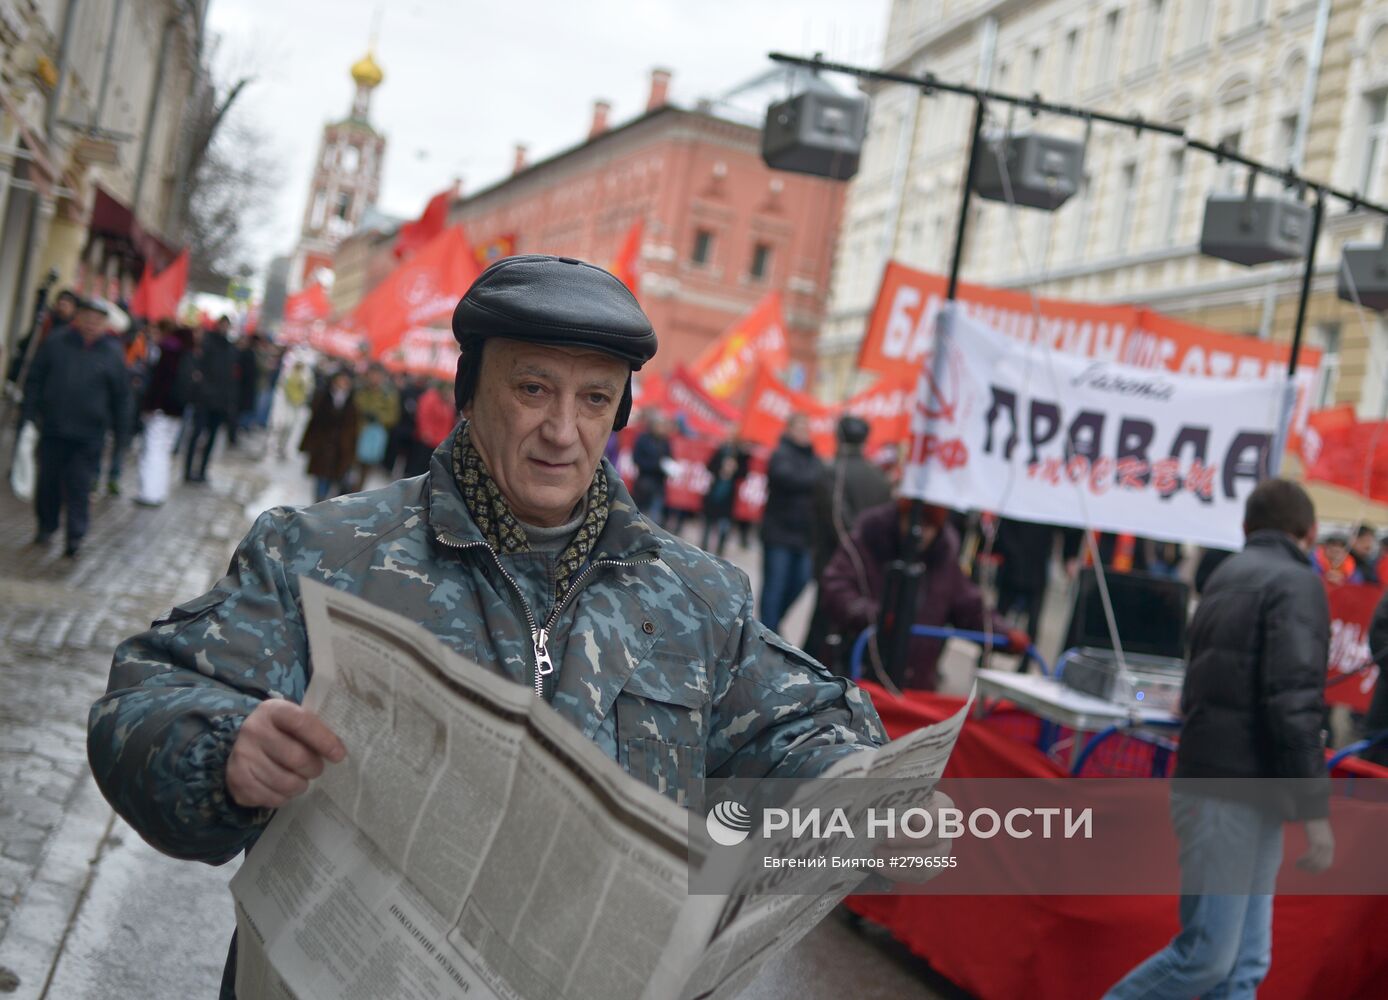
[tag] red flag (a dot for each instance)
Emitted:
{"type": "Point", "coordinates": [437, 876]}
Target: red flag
{"type": "Point", "coordinates": [417, 293]}
{"type": "Point", "coordinates": [158, 296]}
{"type": "Point", "coordinates": [704, 415]}
{"type": "Point", "coordinates": [1338, 449]}
{"type": "Point", "coordinates": [413, 236]}
{"type": "Point", "coordinates": [625, 266]}
{"type": "Point", "coordinates": [769, 406]}
{"type": "Point", "coordinates": [757, 338]}
{"type": "Point", "coordinates": [139, 302]}
{"type": "Point", "coordinates": [303, 312]}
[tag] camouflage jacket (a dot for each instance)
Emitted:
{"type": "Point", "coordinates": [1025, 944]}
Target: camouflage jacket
{"type": "Point", "coordinates": [656, 655]}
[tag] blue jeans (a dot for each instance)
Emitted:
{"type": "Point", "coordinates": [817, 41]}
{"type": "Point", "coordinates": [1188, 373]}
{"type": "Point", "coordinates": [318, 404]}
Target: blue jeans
{"type": "Point", "coordinates": [785, 569]}
{"type": "Point", "coordinates": [1224, 947]}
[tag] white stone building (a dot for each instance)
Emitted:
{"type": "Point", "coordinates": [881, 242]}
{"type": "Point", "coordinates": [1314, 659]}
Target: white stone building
{"type": "Point", "coordinates": [1246, 72]}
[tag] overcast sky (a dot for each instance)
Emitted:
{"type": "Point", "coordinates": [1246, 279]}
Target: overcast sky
{"type": "Point", "coordinates": [465, 81]}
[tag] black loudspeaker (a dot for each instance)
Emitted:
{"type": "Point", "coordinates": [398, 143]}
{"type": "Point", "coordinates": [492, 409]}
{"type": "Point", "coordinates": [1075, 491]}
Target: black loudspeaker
{"type": "Point", "coordinates": [819, 132]}
{"type": "Point", "coordinates": [1254, 230]}
{"type": "Point", "coordinates": [1367, 265]}
{"type": "Point", "coordinates": [1043, 171]}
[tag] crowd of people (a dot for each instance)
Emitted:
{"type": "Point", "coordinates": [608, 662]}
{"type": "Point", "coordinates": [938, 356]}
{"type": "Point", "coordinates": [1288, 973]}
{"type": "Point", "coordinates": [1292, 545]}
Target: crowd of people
{"type": "Point", "coordinates": [189, 749]}
{"type": "Point", "coordinates": [98, 386]}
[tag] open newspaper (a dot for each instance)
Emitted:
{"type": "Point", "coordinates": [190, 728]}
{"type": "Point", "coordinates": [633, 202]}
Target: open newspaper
{"type": "Point", "coordinates": [476, 844]}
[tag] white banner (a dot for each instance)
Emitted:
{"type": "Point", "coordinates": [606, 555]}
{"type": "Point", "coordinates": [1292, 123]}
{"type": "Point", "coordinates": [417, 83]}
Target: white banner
{"type": "Point", "coordinates": [1038, 435]}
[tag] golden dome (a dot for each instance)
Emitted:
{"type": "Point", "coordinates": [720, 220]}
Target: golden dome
{"type": "Point", "coordinates": [366, 72]}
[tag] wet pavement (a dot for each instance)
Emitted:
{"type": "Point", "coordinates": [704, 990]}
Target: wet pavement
{"type": "Point", "coordinates": [87, 910]}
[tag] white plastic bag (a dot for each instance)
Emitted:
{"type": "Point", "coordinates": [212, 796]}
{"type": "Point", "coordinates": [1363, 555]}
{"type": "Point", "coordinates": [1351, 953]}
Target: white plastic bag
{"type": "Point", "coordinates": [24, 470]}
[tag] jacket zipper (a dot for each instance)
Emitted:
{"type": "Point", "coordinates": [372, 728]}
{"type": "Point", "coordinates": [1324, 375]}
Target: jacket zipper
{"type": "Point", "coordinates": [539, 636]}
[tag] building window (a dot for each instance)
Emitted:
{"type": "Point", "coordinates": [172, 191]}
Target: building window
{"type": "Point", "coordinates": [344, 205]}
{"type": "Point", "coordinates": [1085, 195]}
{"type": "Point", "coordinates": [1153, 33]}
{"type": "Point", "coordinates": [1108, 54]}
{"type": "Point", "coordinates": [761, 262]}
{"type": "Point", "coordinates": [1227, 173]}
{"type": "Point", "coordinates": [703, 247]}
{"type": "Point", "coordinates": [1127, 209]}
{"type": "Point", "coordinates": [1326, 337]}
{"type": "Point", "coordinates": [1034, 71]}
{"type": "Point", "coordinates": [1251, 12]}
{"type": "Point", "coordinates": [1375, 138]}
{"type": "Point", "coordinates": [1286, 138]}
{"type": "Point", "coordinates": [320, 208]}
{"type": "Point", "coordinates": [351, 159]}
{"type": "Point", "coordinates": [1070, 68]}
{"type": "Point", "coordinates": [1175, 193]}
{"type": "Point", "coordinates": [1199, 15]}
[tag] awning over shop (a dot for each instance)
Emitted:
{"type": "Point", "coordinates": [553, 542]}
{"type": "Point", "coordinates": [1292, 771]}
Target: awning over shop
{"type": "Point", "coordinates": [116, 223]}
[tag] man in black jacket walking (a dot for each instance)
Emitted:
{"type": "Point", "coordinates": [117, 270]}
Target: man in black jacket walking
{"type": "Point", "coordinates": [1253, 704]}
{"type": "Point", "coordinates": [787, 526]}
{"type": "Point", "coordinates": [77, 391]}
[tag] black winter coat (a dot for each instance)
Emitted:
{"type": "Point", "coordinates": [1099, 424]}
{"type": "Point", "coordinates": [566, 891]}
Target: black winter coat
{"type": "Point", "coordinates": [1254, 695]}
{"type": "Point", "coordinates": [847, 488]}
{"type": "Point", "coordinates": [791, 478]}
{"type": "Point", "coordinates": [1377, 719]}
{"type": "Point", "coordinates": [207, 376]}
{"type": "Point", "coordinates": [77, 391]}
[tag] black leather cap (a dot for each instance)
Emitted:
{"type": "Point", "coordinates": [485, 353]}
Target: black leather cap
{"type": "Point", "coordinates": [559, 301]}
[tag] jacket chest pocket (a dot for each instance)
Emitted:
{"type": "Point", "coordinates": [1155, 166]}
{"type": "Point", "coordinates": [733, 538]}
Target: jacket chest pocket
{"type": "Point", "coordinates": [662, 728]}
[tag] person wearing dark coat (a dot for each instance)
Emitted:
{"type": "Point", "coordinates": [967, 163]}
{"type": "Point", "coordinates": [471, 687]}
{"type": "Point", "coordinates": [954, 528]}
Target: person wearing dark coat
{"type": "Point", "coordinates": [330, 440]}
{"type": "Point", "coordinates": [1376, 720]}
{"type": "Point", "coordinates": [1210, 560]}
{"type": "Point", "coordinates": [246, 375]}
{"type": "Point", "coordinates": [848, 487]}
{"type": "Point", "coordinates": [207, 383]}
{"type": "Point", "coordinates": [852, 585]}
{"type": "Point", "coordinates": [1252, 707]}
{"type": "Point", "coordinates": [787, 526]}
{"type": "Point", "coordinates": [76, 392]}
{"type": "Point", "coordinates": [1024, 551]}
{"type": "Point", "coordinates": [728, 468]}
{"type": "Point", "coordinates": [650, 455]}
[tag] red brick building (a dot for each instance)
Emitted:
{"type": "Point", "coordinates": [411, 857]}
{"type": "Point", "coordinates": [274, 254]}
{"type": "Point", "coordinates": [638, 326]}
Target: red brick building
{"type": "Point", "coordinates": [721, 228]}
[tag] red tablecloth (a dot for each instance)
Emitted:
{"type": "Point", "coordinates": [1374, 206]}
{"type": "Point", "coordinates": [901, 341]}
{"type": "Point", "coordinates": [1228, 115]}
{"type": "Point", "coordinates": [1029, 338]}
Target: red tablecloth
{"type": "Point", "coordinates": [1075, 947]}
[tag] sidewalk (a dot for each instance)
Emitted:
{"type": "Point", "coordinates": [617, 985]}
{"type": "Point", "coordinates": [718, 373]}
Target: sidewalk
{"type": "Point", "coordinates": [59, 622]}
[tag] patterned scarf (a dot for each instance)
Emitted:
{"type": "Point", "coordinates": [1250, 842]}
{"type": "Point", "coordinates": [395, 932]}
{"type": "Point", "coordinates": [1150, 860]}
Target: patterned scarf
{"type": "Point", "coordinates": [493, 517]}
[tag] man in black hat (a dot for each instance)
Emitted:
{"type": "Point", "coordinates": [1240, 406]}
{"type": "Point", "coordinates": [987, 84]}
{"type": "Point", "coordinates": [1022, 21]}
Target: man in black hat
{"type": "Point", "coordinates": [522, 550]}
{"type": "Point", "coordinates": [77, 391]}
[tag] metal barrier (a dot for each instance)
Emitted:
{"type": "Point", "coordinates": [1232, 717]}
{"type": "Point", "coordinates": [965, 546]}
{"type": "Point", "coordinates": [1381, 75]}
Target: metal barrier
{"type": "Point", "coordinates": [1357, 748]}
{"type": "Point", "coordinates": [999, 641]}
{"type": "Point", "coordinates": [1125, 750]}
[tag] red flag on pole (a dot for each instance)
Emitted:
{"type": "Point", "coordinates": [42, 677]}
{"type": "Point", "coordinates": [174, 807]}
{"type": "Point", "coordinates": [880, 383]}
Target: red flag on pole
{"type": "Point", "coordinates": [757, 338]}
{"type": "Point", "coordinates": [417, 293]}
{"type": "Point", "coordinates": [625, 266]}
{"type": "Point", "coordinates": [413, 236]}
{"type": "Point", "coordinates": [157, 297]}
